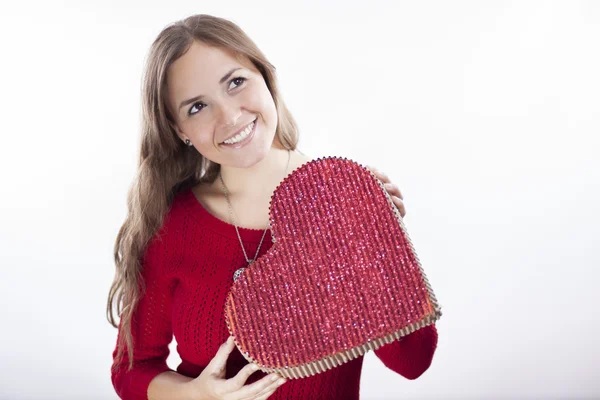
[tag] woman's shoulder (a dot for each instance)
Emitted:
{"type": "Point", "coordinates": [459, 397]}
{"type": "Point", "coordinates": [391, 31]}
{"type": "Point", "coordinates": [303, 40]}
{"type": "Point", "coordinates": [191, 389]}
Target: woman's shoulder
{"type": "Point", "coordinates": [299, 159]}
{"type": "Point", "coordinates": [174, 215]}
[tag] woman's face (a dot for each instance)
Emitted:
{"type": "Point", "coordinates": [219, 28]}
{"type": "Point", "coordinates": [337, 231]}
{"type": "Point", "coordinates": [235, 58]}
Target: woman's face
{"type": "Point", "coordinates": [212, 96]}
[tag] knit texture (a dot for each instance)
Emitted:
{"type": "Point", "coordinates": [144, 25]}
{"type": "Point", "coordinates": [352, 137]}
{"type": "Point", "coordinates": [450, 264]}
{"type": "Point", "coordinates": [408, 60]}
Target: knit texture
{"type": "Point", "coordinates": [187, 271]}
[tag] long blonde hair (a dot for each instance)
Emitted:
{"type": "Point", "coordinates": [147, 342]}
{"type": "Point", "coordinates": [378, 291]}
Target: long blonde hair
{"type": "Point", "coordinates": [166, 165]}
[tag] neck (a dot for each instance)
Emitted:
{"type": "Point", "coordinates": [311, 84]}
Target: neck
{"type": "Point", "coordinates": [258, 180]}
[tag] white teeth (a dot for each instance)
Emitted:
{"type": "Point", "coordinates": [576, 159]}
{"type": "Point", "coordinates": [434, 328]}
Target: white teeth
{"type": "Point", "coordinates": [241, 136]}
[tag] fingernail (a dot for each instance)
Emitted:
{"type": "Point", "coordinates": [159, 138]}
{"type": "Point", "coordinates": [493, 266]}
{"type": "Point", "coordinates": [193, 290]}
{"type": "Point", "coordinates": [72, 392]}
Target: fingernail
{"type": "Point", "coordinates": [274, 378]}
{"type": "Point", "coordinates": [281, 381]}
{"type": "Point", "coordinates": [254, 367]}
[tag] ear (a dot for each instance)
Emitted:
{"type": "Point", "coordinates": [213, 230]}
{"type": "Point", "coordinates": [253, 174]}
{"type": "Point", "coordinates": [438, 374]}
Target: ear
{"type": "Point", "coordinates": [177, 131]}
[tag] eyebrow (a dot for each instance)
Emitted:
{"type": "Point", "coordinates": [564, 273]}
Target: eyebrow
{"type": "Point", "coordinates": [196, 98]}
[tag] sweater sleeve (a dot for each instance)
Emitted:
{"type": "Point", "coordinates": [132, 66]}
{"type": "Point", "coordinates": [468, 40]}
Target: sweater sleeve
{"type": "Point", "coordinates": [151, 330]}
{"type": "Point", "coordinates": [412, 355]}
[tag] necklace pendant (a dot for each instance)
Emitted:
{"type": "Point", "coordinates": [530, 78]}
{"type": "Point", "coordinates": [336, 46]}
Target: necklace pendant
{"type": "Point", "coordinates": [237, 273]}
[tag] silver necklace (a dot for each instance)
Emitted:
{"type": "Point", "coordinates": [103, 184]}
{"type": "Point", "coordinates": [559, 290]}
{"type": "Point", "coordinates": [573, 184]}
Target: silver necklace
{"type": "Point", "coordinates": [249, 261]}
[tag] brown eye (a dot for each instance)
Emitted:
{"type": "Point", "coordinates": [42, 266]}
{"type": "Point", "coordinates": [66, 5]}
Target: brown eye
{"type": "Point", "coordinates": [238, 81]}
{"type": "Point", "coordinates": [193, 106]}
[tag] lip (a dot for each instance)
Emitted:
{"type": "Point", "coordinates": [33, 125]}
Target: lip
{"type": "Point", "coordinates": [245, 141]}
{"type": "Point", "coordinates": [238, 131]}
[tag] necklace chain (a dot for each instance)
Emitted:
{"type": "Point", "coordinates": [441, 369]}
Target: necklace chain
{"type": "Point", "coordinates": [233, 221]}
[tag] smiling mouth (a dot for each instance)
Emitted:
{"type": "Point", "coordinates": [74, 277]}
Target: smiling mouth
{"type": "Point", "coordinates": [244, 133]}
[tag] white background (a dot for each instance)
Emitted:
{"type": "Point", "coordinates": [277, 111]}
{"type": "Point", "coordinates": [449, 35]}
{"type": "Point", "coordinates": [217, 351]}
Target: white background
{"type": "Point", "coordinates": [486, 114]}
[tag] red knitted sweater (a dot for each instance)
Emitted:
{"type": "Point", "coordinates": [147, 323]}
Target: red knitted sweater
{"type": "Point", "coordinates": [187, 269]}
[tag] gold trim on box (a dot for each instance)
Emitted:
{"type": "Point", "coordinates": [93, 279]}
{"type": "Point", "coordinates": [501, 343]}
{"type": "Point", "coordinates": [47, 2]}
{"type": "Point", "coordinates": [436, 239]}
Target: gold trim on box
{"type": "Point", "coordinates": [329, 362]}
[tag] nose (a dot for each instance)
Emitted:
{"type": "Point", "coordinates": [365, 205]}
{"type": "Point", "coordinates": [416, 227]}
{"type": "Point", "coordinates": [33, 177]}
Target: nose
{"type": "Point", "coordinates": [229, 114]}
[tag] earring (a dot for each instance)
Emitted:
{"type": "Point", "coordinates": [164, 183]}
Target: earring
{"type": "Point", "coordinates": [187, 142]}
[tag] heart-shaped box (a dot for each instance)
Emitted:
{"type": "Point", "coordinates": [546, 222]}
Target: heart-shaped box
{"type": "Point", "coordinates": [341, 278]}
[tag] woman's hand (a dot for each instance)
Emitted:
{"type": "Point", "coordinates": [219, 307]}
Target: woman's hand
{"type": "Point", "coordinates": [392, 190]}
{"type": "Point", "coordinates": [212, 385]}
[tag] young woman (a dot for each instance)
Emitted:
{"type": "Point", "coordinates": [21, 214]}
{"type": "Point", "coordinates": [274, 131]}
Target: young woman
{"type": "Point", "coordinates": [216, 141]}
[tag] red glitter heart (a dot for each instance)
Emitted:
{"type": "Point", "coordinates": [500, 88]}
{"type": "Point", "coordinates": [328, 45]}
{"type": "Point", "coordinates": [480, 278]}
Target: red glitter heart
{"type": "Point", "coordinates": [341, 278]}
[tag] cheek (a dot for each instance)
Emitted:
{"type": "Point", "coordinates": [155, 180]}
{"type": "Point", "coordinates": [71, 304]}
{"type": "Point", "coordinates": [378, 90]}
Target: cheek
{"type": "Point", "coordinates": [265, 105]}
{"type": "Point", "coordinates": [206, 136]}
{"type": "Point", "coordinates": [202, 132]}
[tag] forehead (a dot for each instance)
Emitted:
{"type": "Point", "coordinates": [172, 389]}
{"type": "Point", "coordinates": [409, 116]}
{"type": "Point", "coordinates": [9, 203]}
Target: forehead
{"type": "Point", "coordinates": [202, 65]}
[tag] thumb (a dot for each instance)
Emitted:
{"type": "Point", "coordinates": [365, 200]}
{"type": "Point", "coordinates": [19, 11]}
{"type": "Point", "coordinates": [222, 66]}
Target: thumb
{"type": "Point", "coordinates": [219, 361]}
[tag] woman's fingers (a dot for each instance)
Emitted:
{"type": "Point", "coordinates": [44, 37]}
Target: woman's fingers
{"type": "Point", "coordinates": [216, 366]}
{"type": "Point", "coordinates": [242, 376]}
{"type": "Point", "coordinates": [380, 175]}
{"type": "Point", "coordinates": [264, 385]}
{"type": "Point", "coordinates": [400, 204]}
{"type": "Point", "coordinates": [265, 395]}
{"type": "Point", "coordinates": [376, 172]}
{"type": "Point", "coordinates": [393, 190]}
{"type": "Point", "coordinates": [269, 390]}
